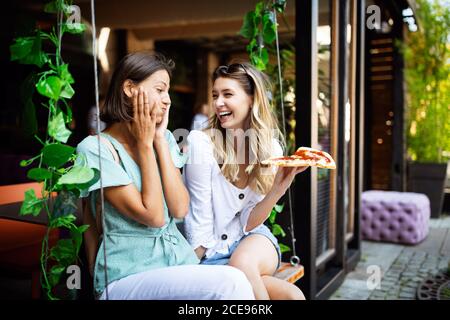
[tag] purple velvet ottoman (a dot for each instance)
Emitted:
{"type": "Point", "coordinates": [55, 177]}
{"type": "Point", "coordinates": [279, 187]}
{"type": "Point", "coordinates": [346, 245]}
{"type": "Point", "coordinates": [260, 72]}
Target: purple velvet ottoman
{"type": "Point", "coordinates": [400, 217]}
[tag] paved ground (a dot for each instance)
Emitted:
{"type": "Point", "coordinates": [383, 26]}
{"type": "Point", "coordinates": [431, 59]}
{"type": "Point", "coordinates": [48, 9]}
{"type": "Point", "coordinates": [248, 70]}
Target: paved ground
{"type": "Point", "coordinates": [402, 268]}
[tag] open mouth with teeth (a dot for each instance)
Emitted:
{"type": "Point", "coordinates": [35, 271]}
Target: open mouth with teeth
{"type": "Point", "coordinates": [225, 115]}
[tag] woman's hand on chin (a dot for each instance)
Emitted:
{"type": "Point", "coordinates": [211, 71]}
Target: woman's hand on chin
{"type": "Point", "coordinates": [162, 127]}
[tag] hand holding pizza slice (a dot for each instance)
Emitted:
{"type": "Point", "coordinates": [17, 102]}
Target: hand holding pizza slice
{"type": "Point", "coordinates": [304, 157]}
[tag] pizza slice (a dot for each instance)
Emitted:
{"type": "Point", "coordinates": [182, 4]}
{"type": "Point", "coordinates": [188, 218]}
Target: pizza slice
{"type": "Point", "coordinates": [318, 158]}
{"type": "Point", "coordinates": [304, 157]}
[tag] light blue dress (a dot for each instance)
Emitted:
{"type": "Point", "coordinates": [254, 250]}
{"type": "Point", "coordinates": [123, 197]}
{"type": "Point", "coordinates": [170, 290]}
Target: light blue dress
{"type": "Point", "coordinates": [131, 247]}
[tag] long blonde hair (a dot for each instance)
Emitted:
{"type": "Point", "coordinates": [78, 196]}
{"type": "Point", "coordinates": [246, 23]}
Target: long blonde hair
{"type": "Point", "coordinates": [263, 124]}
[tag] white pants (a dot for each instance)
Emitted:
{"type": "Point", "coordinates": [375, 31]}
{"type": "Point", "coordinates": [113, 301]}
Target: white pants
{"type": "Point", "coordinates": [186, 282]}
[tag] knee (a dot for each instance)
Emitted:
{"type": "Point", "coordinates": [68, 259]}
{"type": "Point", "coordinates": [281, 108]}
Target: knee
{"type": "Point", "coordinates": [244, 263]}
{"type": "Point", "coordinates": [295, 294]}
{"type": "Point", "coordinates": [237, 285]}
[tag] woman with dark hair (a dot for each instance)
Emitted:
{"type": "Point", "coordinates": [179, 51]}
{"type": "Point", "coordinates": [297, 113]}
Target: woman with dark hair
{"type": "Point", "coordinates": [146, 255]}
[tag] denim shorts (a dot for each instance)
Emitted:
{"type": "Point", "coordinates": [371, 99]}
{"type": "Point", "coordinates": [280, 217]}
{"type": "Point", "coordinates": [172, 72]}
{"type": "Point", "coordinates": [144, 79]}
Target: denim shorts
{"type": "Point", "coordinates": [221, 259]}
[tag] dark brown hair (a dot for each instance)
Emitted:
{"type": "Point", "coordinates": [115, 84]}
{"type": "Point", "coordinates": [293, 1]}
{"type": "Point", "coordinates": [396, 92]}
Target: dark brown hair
{"type": "Point", "coordinates": [136, 67]}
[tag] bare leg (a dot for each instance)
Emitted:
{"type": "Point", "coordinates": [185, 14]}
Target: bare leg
{"type": "Point", "coordinates": [256, 256]}
{"type": "Point", "coordinates": [281, 289]}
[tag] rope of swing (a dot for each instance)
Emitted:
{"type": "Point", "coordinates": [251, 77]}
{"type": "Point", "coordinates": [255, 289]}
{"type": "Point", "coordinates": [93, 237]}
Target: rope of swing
{"type": "Point", "coordinates": [295, 260]}
{"type": "Point", "coordinates": [102, 197]}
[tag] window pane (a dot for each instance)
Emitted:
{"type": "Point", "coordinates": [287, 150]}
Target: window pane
{"type": "Point", "coordinates": [325, 218]}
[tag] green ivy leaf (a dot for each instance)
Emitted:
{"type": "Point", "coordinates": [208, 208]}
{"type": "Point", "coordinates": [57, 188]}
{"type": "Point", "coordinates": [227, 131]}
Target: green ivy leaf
{"type": "Point", "coordinates": [53, 6]}
{"type": "Point", "coordinates": [55, 274]}
{"type": "Point", "coordinates": [39, 174]}
{"type": "Point", "coordinates": [67, 91]}
{"type": "Point", "coordinates": [278, 230]}
{"type": "Point", "coordinates": [68, 112]}
{"type": "Point", "coordinates": [31, 204]}
{"type": "Point", "coordinates": [57, 128]}
{"type": "Point", "coordinates": [259, 8]}
{"type": "Point", "coordinates": [77, 236]}
{"type": "Point", "coordinates": [28, 50]}
{"type": "Point", "coordinates": [248, 29]}
{"type": "Point", "coordinates": [284, 248]}
{"type": "Point", "coordinates": [21, 48]}
{"type": "Point", "coordinates": [279, 207]}
{"type": "Point", "coordinates": [64, 252]}
{"type": "Point", "coordinates": [269, 27]}
{"type": "Point", "coordinates": [63, 221]}
{"type": "Point", "coordinates": [64, 74]}
{"type": "Point", "coordinates": [24, 163]}
{"type": "Point", "coordinates": [257, 61]}
{"type": "Point", "coordinates": [264, 54]}
{"type": "Point", "coordinates": [77, 175]}
{"type": "Point", "coordinates": [272, 216]}
{"type": "Point", "coordinates": [84, 186]}
{"type": "Point", "coordinates": [252, 45]}
{"type": "Point", "coordinates": [65, 204]}
{"type": "Point", "coordinates": [50, 87]}
{"type": "Point", "coordinates": [74, 28]}
{"type": "Point", "coordinates": [56, 154]}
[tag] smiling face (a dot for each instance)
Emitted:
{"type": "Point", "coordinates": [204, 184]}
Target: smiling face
{"type": "Point", "coordinates": [232, 104]}
{"type": "Point", "coordinates": [157, 86]}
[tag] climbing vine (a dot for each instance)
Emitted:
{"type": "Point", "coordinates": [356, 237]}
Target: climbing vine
{"type": "Point", "coordinates": [62, 174]}
{"type": "Point", "coordinates": [260, 28]}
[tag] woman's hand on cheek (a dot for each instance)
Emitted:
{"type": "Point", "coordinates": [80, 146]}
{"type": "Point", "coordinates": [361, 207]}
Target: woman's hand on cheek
{"type": "Point", "coordinates": [161, 128]}
{"type": "Point", "coordinates": [143, 125]}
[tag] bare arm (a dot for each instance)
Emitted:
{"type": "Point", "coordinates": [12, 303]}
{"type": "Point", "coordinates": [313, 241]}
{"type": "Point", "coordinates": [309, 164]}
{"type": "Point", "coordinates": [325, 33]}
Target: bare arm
{"type": "Point", "coordinates": [175, 193]}
{"type": "Point", "coordinates": [282, 181]}
{"type": "Point", "coordinates": [145, 207]}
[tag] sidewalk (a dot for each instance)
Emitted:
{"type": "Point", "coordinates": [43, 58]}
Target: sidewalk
{"type": "Point", "coordinates": [402, 267]}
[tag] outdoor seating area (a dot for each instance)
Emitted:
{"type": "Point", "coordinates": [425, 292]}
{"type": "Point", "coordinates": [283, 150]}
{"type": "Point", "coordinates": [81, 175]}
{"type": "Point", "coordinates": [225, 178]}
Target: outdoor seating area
{"type": "Point", "coordinates": [225, 150]}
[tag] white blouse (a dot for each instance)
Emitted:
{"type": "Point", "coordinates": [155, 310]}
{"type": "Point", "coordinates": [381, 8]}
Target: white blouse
{"type": "Point", "coordinates": [218, 210]}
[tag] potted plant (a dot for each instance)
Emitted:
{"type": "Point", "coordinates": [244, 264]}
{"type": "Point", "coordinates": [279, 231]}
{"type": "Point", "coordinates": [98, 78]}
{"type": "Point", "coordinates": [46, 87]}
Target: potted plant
{"type": "Point", "coordinates": [427, 75]}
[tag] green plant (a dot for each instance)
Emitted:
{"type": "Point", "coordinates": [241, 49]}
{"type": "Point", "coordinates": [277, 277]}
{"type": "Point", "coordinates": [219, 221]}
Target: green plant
{"type": "Point", "coordinates": [427, 74]}
{"type": "Point", "coordinates": [260, 28]}
{"type": "Point", "coordinates": [58, 168]}
{"type": "Point", "coordinates": [275, 228]}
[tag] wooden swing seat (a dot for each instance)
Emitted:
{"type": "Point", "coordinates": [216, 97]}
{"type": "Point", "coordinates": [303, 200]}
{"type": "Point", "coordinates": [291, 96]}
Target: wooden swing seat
{"type": "Point", "coordinates": [289, 272]}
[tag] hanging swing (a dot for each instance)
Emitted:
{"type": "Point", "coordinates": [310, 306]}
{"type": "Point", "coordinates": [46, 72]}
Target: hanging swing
{"type": "Point", "coordinates": [289, 271]}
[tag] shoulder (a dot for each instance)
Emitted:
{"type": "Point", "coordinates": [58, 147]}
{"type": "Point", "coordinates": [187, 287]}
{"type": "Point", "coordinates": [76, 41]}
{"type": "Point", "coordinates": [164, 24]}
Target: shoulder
{"type": "Point", "coordinates": [169, 136]}
{"type": "Point", "coordinates": [198, 136]}
{"type": "Point", "coordinates": [88, 144]}
{"type": "Point", "coordinates": [200, 148]}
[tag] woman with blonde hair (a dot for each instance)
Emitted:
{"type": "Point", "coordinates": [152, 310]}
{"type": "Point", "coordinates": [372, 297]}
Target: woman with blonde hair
{"type": "Point", "coordinates": [231, 192]}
